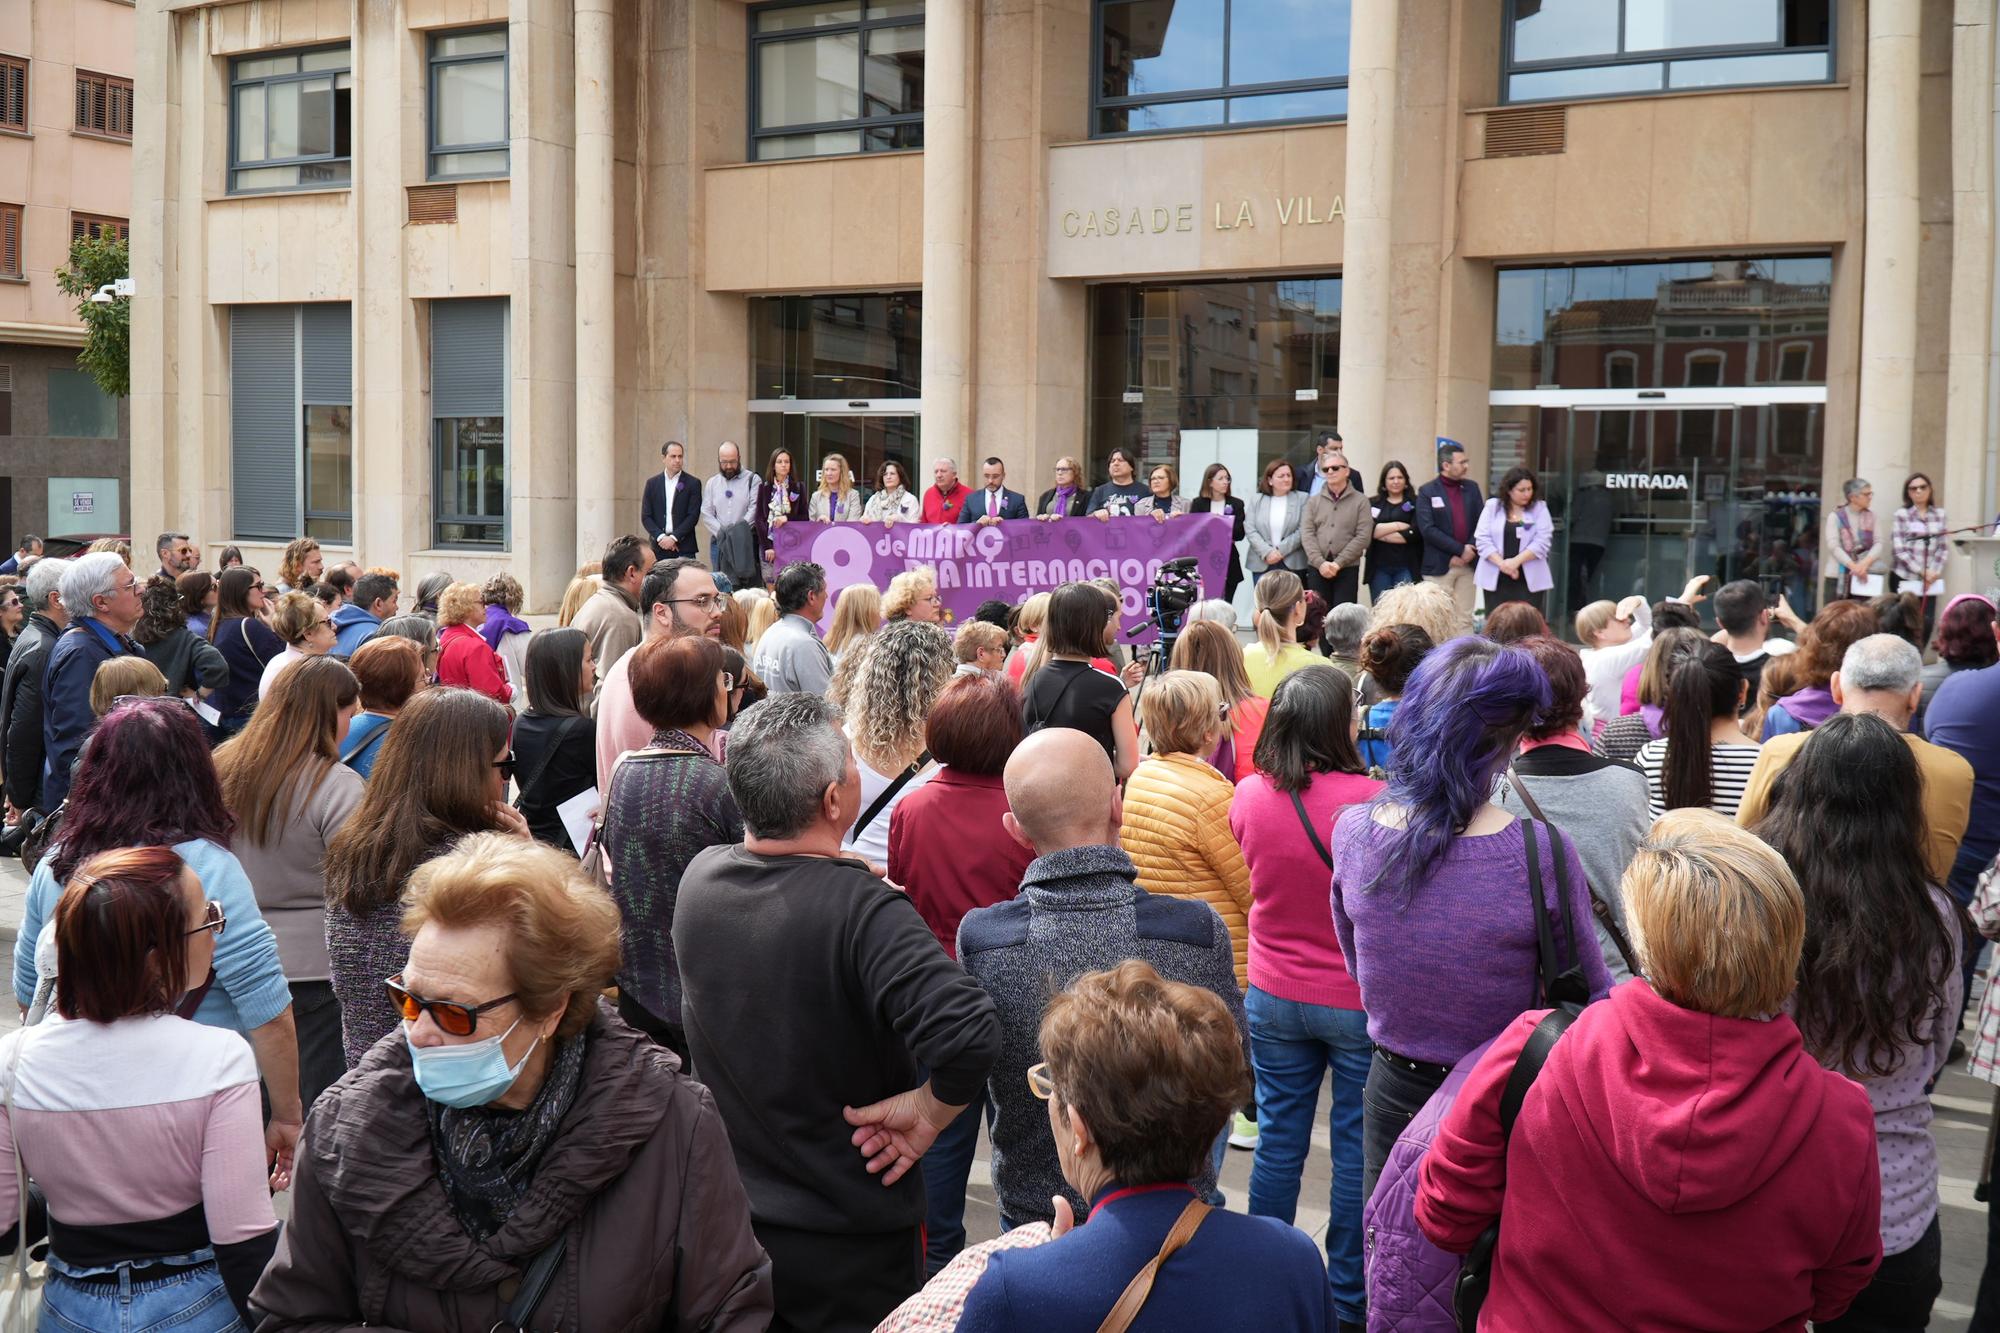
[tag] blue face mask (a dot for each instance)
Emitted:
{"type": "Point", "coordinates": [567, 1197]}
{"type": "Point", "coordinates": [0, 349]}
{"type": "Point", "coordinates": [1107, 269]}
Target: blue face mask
{"type": "Point", "coordinates": [469, 1075]}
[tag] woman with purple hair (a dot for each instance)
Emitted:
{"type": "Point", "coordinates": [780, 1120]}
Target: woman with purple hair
{"type": "Point", "coordinates": [1431, 884]}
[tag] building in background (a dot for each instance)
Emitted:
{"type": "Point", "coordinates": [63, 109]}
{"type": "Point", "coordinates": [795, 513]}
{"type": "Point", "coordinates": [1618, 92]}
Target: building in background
{"type": "Point", "coordinates": [66, 118]}
{"type": "Point", "coordinates": [437, 277]}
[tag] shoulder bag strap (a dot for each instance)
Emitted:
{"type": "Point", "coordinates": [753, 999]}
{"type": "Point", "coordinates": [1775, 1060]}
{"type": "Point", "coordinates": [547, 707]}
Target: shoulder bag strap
{"type": "Point", "coordinates": [353, 752]}
{"type": "Point", "coordinates": [536, 1279]}
{"type": "Point", "coordinates": [1305, 822]}
{"type": "Point", "coordinates": [1599, 908]}
{"type": "Point", "coordinates": [1141, 1286]}
{"type": "Point", "coordinates": [1528, 1064]}
{"type": "Point", "coordinates": [1547, 969]}
{"type": "Point", "coordinates": [869, 815]}
{"type": "Point", "coordinates": [548, 755]}
{"type": "Point", "coordinates": [1043, 719]}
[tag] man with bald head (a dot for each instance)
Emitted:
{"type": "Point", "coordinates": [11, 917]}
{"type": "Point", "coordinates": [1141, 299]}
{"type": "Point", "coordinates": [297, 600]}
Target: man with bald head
{"type": "Point", "coordinates": [727, 499]}
{"type": "Point", "coordinates": [1080, 910]}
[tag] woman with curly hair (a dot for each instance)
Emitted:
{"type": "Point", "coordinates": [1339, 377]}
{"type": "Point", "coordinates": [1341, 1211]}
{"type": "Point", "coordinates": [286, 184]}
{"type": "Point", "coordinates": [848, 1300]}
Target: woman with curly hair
{"type": "Point", "coordinates": [464, 657]}
{"type": "Point", "coordinates": [505, 632]}
{"type": "Point", "coordinates": [188, 661]}
{"type": "Point", "coordinates": [913, 595]}
{"type": "Point", "coordinates": [300, 566]}
{"type": "Point", "coordinates": [898, 678]}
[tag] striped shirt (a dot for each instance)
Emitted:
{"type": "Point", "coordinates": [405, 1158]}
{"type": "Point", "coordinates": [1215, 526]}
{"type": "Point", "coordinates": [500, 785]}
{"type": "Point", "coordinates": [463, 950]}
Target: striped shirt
{"type": "Point", "coordinates": [1729, 774]}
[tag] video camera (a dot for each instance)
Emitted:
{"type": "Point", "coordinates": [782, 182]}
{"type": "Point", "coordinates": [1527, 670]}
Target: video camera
{"type": "Point", "coordinates": [1176, 588]}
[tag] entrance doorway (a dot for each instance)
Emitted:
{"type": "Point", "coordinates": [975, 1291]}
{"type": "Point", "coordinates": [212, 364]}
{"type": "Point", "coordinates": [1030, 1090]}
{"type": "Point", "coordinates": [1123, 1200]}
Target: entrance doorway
{"type": "Point", "coordinates": [866, 439]}
{"type": "Point", "coordinates": [1650, 489]}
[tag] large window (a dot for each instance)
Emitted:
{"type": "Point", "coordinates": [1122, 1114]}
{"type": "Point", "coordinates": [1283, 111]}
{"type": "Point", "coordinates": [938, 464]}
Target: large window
{"type": "Point", "coordinates": [468, 122]}
{"type": "Point", "coordinates": [1561, 50]}
{"type": "Point", "coordinates": [291, 414]}
{"type": "Point", "coordinates": [104, 104]}
{"type": "Point", "coordinates": [836, 76]}
{"type": "Point", "coordinates": [469, 422]}
{"type": "Point", "coordinates": [78, 409]}
{"type": "Point", "coordinates": [291, 120]}
{"type": "Point", "coordinates": [836, 349]}
{"type": "Point", "coordinates": [1230, 356]}
{"type": "Point", "coordinates": [1199, 64]}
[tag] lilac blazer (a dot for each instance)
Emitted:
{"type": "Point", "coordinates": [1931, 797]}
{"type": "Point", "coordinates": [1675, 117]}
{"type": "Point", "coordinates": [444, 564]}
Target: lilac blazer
{"type": "Point", "coordinates": [1538, 532]}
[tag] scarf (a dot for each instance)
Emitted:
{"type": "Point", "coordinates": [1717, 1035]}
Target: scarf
{"type": "Point", "coordinates": [1060, 505]}
{"type": "Point", "coordinates": [1656, 719]}
{"type": "Point", "coordinates": [500, 622]}
{"type": "Point", "coordinates": [1810, 706]}
{"type": "Point", "coordinates": [486, 1155]}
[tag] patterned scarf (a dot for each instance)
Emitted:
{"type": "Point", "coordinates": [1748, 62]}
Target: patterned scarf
{"type": "Point", "coordinates": [486, 1155]}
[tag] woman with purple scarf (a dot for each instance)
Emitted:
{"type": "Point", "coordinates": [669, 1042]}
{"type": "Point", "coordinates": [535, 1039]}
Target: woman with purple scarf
{"type": "Point", "coordinates": [780, 500]}
{"type": "Point", "coordinates": [1837, 627]}
{"type": "Point", "coordinates": [1068, 497]}
{"type": "Point", "coordinates": [506, 633]}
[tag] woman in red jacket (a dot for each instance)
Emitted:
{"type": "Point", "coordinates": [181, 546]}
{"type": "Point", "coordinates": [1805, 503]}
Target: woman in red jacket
{"type": "Point", "coordinates": [1685, 1162]}
{"type": "Point", "coordinates": [464, 657]}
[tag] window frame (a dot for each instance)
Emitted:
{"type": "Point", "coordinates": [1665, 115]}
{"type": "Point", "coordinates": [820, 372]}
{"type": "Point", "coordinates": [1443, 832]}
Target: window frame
{"type": "Point", "coordinates": [440, 518]}
{"type": "Point", "coordinates": [237, 165]}
{"type": "Point", "coordinates": [81, 224]}
{"type": "Point", "coordinates": [432, 62]}
{"type": "Point", "coordinates": [861, 27]}
{"type": "Point", "coordinates": [111, 84]}
{"type": "Point", "coordinates": [307, 514]}
{"type": "Point", "coordinates": [1224, 93]}
{"type": "Point", "coordinates": [1665, 57]}
{"type": "Point", "coordinates": [19, 270]}
{"type": "Point", "coordinates": [22, 63]}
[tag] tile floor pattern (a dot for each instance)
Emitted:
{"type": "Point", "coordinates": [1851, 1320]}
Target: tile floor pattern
{"type": "Point", "coordinates": [1964, 1110]}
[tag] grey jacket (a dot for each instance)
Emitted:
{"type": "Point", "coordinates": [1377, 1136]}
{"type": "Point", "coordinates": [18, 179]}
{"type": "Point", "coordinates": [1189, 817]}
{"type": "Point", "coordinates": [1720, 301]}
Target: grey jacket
{"type": "Point", "coordinates": [1290, 545]}
{"type": "Point", "coordinates": [1337, 530]}
{"type": "Point", "coordinates": [791, 659]}
{"type": "Point", "coordinates": [188, 661]}
{"type": "Point", "coordinates": [1600, 805]}
{"type": "Point", "coordinates": [1080, 910]}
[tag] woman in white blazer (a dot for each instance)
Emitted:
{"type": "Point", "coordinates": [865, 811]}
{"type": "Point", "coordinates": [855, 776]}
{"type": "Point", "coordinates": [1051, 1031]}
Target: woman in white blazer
{"type": "Point", "coordinates": [1272, 527]}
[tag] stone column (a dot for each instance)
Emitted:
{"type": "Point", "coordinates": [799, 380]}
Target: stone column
{"type": "Point", "coordinates": [154, 499]}
{"type": "Point", "coordinates": [596, 359]}
{"type": "Point", "coordinates": [1366, 266]}
{"type": "Point", "coordinates": [1967, 391]}
{"type": "Point", "coordinates": [1891, 236]}
{"type": "Point", "coordinates": [950, 43]}
{"type": "Point", "coordinates": [392, 446]}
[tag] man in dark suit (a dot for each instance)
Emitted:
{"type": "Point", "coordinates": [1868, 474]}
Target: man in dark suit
{"type": "Point", "coordinates": [671, 510]}
{"type": "Point", "coordinates": [1447, 512]}
{"type": "Point", "coordinates": [994, 501]}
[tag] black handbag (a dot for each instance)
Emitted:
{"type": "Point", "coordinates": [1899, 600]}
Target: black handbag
{"type": "Point", "coordinates": [1559, 986]}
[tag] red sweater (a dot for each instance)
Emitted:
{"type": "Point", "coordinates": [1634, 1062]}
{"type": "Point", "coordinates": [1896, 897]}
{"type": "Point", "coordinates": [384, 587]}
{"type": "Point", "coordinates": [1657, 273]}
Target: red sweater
{"type": "Point", "coordinates": [942, 508]}
{"type": "Point", "coordinates": [464, 659]}
{"type": "Point", "coordinates": [1669, 1170]}
{"type": "Point", "coordinates": [949, 852]}
{"type": "Point", "coordinates": [1294, 953]}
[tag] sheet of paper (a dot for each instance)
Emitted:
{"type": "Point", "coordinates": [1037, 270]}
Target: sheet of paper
{"type": "Point", "coordinates": [575, 814]}
{"type": "Point", "coordinates": [1868, 586]}
{"type": "Point", "coordinates": [206, 712]}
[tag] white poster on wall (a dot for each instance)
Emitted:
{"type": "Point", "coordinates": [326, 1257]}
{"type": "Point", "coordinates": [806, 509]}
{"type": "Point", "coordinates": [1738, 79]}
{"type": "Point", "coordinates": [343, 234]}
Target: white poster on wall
{"type": "Point", "coordinates": [83, 506]}
{"type": "Point", "coordinates": [1237, 451]}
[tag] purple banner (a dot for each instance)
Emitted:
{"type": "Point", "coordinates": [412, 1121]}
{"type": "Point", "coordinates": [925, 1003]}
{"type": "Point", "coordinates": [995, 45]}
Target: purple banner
{"type": "Point", "coordinates": [1014, 559]}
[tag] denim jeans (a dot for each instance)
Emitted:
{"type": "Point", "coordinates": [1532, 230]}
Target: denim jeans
{"type": "Point", "coordinates": [1291, 1047]}
{"type": "Point", "coordinates": [193, 1300]}
{"type": "Point", "coordinates": [1901, 1293]}
{"type": "Point", "coordinates": [946, 1168]}
{"type": "Point", "coordinates": [1381, 580]}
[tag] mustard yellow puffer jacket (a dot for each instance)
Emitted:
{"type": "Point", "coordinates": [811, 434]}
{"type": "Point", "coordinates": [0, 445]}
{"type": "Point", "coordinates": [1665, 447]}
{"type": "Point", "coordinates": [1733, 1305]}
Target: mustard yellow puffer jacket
{"type": "Point", "coordinates": [1176, 830]}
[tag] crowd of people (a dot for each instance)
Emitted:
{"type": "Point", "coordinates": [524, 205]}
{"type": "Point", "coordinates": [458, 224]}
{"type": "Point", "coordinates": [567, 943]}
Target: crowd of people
{"type": "Point", "coordinates": [665, 966]}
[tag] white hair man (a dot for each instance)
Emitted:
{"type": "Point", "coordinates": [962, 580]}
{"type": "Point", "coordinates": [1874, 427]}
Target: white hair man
{"type": "Point", "coordinates": [21, 742]}
{"type": "Point", "coordinates": [101, 594]}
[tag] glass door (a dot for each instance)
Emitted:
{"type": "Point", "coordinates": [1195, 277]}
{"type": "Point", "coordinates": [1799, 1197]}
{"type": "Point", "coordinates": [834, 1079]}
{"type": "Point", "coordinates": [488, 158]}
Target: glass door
{"type": "Point", "coordinates": [866, 441]}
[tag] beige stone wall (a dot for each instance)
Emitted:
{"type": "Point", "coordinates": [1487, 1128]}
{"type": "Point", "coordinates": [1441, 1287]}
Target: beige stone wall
{"type": "Point", "coordinates": [816, 225]}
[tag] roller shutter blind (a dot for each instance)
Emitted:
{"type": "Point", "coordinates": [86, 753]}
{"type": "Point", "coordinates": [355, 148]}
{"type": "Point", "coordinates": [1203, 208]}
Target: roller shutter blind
{"type": "Point", "coordinates": [264, 421]}
{"type": "Point", "coordinates": [327, 368]}
{"type": "Point", "coordinates": [469, 358]}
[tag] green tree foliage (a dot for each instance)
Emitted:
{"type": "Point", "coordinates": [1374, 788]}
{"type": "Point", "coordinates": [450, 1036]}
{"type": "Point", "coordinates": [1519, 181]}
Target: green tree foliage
{"type": "Point", "coordinates": [107, 344]}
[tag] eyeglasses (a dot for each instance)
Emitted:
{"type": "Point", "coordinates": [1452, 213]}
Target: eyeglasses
{"type": "Point", "coordinates": [1222, 711]}
{"type": "Point", "coordinates": [1915, 486]}
{"type": "Point", "coordinates": [935, 599]}
{"type": "Point", "coordinates": [458, 1020]}
{"type": "Point", "coordinates": [1039, 1081]}
{"type": "Point", "coordinates": [506, 767]}
{"type": "Point", "coordinates": [728, 682]}
{"type": "Point", "coordinates": [213, 920]}
{"type": "Point", "coordinates": [1332, 468]}
{"type": "Point", "coordinates": [1061, 468]}
{"type": "Point", "coordinates": [708, 601]}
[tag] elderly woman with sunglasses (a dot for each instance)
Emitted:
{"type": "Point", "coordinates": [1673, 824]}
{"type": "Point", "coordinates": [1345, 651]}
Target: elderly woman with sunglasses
{"type": "Point", "coordinates": [441, 774]}
{"type": "Point", "coordinates": [512, 1155]}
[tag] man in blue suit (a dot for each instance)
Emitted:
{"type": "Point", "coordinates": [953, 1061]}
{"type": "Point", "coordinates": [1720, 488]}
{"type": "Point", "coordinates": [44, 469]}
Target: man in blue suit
{"type": "Point", "coordinates": [671, 509]}
{"type": "Point", "coordinates": [993, 501]}
{"type": "Point", "coordinates": [1447, 512]}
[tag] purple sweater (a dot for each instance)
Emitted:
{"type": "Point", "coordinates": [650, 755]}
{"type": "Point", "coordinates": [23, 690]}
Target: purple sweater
{"type": "Point", "coordinates": [1451, 963]}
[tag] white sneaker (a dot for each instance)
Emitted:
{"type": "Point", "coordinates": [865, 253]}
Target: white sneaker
{"type": "Point", "coordinates": [1243, 1133]}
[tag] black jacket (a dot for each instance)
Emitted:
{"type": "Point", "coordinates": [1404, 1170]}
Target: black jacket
{"type": "Point", "coordinates": [549, 776]}
{"type": "Point", "coordinates": [1434, 523]}
{"type": "Point", "coordinates": [1079, 501]}
{"type": "Point", "coordinates": [21, 711]}
{"type": "Point", "coordinates": [682, 522]}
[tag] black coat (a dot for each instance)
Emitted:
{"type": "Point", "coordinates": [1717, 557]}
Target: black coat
{"type": "Point", "coordinates": [682, 522]}
{"type": "Point", "coordinates": [1235, 508]}
{"type": "Point", "coordinates": [1435, 527]}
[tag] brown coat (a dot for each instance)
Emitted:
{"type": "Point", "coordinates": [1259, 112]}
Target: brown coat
{"type": "Point", "coordinates": [1176, 830]}
{"type": "Point", "coordinates": [641, 1177]}
{"type": "Point", "coordinates": [1337, 530]}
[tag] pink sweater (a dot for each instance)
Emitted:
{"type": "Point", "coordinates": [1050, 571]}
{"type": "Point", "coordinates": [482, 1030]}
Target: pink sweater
{"type": "Point", "coordinates": [1294, 952]}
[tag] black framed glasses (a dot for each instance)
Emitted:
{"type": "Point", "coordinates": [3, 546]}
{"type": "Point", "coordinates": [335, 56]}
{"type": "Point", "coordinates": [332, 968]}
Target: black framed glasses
{"type": "Point", "coordinates": [455, 1019]}
{"type": "Point", "coordinates": [708, 601]}
{"type": "Point", "coordinates": [212, 920]}
{"type": "Point", "coordinates": [506, 766]}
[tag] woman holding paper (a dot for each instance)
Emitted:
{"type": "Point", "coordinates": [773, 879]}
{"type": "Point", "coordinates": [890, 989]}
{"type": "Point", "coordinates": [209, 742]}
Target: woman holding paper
{"type": "Point", "coordinates": [1918, 539]}
{"type": "Point", "coordinates": [1854, 548]}
{"type": "Point", "coordinates": [555, 741]}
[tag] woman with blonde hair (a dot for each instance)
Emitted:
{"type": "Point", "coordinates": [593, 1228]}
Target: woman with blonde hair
{"type": "Point", "coordinates": [1207, 647]}
{"type": "Point", "coordinates": [580, 590]}
{"type": "Point", "coordinates": [836, 500]}
{"type": "Point", "coordinates": [981, 648]}
{"type": "Point", "coordinates": [1028, 624]}
{"type": "Point", "coordinates": [1428, 606]}
{"type": "Point", "coordinates": [121, 549]}
{"type": "Point", "coordinates": [464, 658]}
{"type": "Point", "coordinates": [1176, 821]}
{"type": "Point", "coordinates": [760, 611]}
{"type": "Point", "coordinates": [913, 595]}
{"type": "Point", "coordinates": [284, 785]}
{"type": "Point", "coordinates": [906, 667]}
{"type": "Point", "coordinates": [856, 615]}
{"type": "Point", "coordinates": [124, 677]}
{"type": "Point", "coordinates": [1683, 1123]}
{"type": "Point", "coordinates": [1281, 609]}
{"type": "Point", "coordinates": [307, 630]}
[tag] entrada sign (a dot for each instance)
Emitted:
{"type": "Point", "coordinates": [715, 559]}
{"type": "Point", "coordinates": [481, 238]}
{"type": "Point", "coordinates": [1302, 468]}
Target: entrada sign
{"type": "Point", "coordinates": [1646, 481]}
{"type": "Point", "coordinates": [1155, 219]}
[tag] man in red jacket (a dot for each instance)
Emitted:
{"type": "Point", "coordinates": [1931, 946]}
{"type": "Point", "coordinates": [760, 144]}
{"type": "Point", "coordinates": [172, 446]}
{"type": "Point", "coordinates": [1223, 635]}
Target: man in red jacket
{"type": "Point", "coordinates": [943, 501]}
{"type": "Point", "coordinates": [1684, 1162]}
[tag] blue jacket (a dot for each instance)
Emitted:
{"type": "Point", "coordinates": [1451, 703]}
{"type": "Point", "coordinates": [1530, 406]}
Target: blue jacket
{"type": "Point", "coordinates": [1434, 522]}
{"type": "Point", "coordinates": [1012, 505]}
{"type": "Point", "coordinates": [1237, 1273]}
{"type": "Point", "coordinates": [66, 715]}
{"type": "Point", "coordinates": [250, 988]}
{"type": "Point", "coordinates": [351, 626]}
